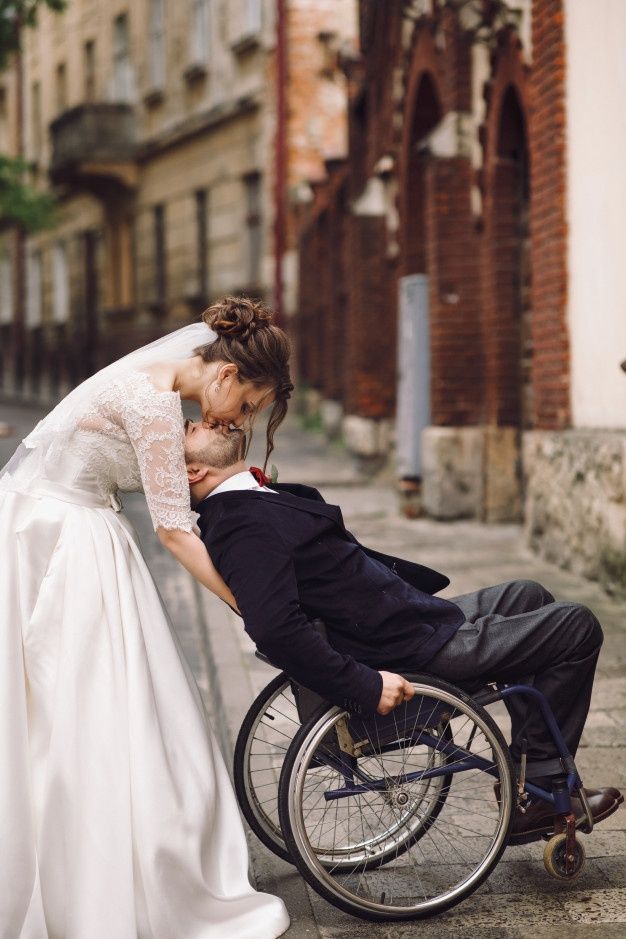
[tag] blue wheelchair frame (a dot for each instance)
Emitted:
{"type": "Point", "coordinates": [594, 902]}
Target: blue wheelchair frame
{"type": "Point", "coordinates": [347, 765]}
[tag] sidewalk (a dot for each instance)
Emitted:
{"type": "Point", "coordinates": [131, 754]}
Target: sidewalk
{"type": "Point", "coordinates": [520, 900]}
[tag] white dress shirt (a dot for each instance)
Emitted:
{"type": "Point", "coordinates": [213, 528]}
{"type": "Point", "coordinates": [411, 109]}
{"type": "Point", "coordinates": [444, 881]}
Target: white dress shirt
{"type": "Point", "coordinates": [239, 481]}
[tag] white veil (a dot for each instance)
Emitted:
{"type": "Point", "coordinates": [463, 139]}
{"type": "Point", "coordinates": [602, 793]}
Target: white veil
{"type": "Point", "coordinates": [48, 440]}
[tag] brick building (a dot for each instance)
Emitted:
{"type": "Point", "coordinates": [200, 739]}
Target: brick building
{"type": "Point", "coordinates": [461, 269]}
{"type": "Point", "coordinates": [177, 137]}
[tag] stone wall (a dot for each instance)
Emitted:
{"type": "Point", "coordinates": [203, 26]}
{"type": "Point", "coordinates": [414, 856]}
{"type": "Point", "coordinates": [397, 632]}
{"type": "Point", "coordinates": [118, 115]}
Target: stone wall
{"type": "Point", "coordinates": [575, 501]}
{"type": "Point", "coordinates": [471, 472]}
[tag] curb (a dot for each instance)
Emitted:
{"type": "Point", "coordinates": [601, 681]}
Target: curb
{"type": "Point", "coordinates": [232, 690]}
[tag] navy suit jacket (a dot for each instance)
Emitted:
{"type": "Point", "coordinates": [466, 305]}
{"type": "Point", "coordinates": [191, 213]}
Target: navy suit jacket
{"type": "Point", "coordinates": [288, 559]}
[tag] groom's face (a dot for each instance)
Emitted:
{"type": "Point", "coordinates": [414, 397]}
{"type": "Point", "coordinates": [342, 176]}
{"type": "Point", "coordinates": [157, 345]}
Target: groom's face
{"type": "Point", "coordinates": [215, 446]}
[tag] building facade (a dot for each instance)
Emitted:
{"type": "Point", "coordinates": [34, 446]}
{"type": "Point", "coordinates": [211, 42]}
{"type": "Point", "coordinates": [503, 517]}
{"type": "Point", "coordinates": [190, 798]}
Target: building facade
{"type": "Point", "coordinates": [462, 292]}
{"type": "Point", "coordinates": [176, 137]}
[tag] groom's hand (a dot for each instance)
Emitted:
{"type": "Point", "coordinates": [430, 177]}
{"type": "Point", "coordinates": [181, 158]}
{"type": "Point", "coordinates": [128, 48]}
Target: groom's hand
{"type": "Point", "coordinates": [396, 689]}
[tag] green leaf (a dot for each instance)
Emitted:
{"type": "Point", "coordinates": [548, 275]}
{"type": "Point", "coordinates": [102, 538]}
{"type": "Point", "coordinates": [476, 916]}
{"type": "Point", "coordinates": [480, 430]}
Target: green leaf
{"type": "Point", "coordinates": [20, 203]}
{"type": "Point", "coordinates": [274, 473]}
{"type": "Point", "coordinates": [19, 13]}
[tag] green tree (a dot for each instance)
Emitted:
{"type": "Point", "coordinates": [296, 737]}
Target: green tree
{"type": "Point", "coordinates": [14, 14]}
{"type": "Point", "coordinates": [20, 203]}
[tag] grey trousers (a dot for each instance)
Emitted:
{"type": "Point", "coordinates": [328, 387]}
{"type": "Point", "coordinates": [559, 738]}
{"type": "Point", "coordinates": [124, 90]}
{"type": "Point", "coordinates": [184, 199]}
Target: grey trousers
{"type": "Point", "coordinates": [517, 633]}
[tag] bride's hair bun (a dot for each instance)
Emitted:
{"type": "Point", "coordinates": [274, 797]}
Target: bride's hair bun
{"type": "Point", "coordinates": [237, 317]}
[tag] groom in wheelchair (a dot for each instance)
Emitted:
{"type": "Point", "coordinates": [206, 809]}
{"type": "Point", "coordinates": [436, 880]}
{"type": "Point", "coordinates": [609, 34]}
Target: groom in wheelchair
{"type": "Point", "coordinates": [288, 559]}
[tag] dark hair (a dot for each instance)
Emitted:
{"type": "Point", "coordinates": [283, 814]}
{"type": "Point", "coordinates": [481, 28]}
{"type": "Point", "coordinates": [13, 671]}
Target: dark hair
{"type": "Point", "coordinates": [248, 338]}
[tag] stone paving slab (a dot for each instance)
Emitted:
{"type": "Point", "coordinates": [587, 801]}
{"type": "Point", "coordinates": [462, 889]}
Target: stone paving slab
{"type": "Point", "coordinates": [519, 901]}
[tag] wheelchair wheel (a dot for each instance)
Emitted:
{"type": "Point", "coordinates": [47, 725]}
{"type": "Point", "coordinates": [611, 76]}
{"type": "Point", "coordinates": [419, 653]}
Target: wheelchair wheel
{"type": "Point", "coordinates": [265, 734]}
{"type": "Point", "coordinates": [404, 822]}
{"type": "Point", "coordinates": [262, 742]}
{"type": "Point", "coordinates": [555, 861]}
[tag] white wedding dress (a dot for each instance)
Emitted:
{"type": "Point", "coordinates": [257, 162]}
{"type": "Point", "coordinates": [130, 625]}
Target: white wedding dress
{"type": "Point", "coordinates": [117, 816]}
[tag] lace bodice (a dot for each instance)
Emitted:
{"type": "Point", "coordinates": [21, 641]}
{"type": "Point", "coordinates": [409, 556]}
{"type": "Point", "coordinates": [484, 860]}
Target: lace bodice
{"type": "Point", "coordinates": [130, 439]}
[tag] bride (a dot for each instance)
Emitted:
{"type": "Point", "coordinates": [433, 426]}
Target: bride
{"type": "Point", "coordinates": [117, 817]}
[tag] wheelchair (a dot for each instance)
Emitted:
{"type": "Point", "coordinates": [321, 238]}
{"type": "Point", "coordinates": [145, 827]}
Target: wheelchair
{"type": "Point", "coordinates": [398, 817]}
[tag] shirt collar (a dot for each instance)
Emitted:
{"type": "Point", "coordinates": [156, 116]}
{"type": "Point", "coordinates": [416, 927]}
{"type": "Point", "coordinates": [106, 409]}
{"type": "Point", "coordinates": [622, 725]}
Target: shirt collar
{"type": "Point", "coordinates": [240, 481]}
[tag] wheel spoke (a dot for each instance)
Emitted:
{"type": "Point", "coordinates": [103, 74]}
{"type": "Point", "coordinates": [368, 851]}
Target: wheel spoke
{"type": "Point", "coordinates": [410, 844]}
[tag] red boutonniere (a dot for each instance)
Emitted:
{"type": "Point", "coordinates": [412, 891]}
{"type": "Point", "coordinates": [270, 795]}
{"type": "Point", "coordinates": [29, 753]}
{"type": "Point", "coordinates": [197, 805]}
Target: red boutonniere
{"type": "Point", "coordinates": [262, 478]}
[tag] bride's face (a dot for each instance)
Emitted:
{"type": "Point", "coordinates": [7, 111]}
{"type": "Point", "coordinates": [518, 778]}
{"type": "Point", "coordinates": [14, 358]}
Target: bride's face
{"type": "Point", "coordinates": [232, 402]}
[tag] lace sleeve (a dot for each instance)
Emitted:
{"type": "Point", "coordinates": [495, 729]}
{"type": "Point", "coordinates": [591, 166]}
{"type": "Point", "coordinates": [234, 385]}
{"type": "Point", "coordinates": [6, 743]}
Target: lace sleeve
{"type": "Point", "coordinates": [153, 421]}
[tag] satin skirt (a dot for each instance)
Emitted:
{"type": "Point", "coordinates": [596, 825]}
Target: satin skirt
{"type": "Point", "coordinates": [117, 816]}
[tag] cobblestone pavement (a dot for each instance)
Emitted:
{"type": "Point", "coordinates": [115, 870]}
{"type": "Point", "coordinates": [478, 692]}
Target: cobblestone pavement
{"type": "Point", "coordinates": [519, 901]}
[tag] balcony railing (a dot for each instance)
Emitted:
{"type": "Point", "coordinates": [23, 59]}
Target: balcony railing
{"type": "Point", "coordinates": [94, 146]}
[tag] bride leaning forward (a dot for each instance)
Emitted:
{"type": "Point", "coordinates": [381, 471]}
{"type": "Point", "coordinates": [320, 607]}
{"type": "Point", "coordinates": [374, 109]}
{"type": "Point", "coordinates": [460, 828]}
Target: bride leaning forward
{"type": "Point", "coordinates": [117, 818]}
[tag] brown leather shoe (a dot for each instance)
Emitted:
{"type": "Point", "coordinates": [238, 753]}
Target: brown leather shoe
{"type": "Point", "coordinates": [538, 819]}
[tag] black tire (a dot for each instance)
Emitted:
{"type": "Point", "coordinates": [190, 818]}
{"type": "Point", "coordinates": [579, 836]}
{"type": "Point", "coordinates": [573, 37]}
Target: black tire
{"type": "Point", "coordinates": [263, 819]}
{"type": "Point", "coordinates": [262, 822]}
{"type": "Point", "coordinates": [555, 862]}
{"type": "Point", "coordinates": [298, 761]}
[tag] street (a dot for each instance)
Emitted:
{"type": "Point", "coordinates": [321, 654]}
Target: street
{"type": "Point", "coordinates": [520, 900]}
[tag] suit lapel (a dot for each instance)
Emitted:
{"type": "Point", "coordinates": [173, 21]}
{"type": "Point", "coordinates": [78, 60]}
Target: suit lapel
{"type": "Point", "coordinates": [310, 506]}
{"type": "Point", "coordinates": [423, 578]}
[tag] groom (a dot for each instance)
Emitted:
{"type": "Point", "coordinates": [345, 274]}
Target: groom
{"type": "Point", "coordinates": [288, 559]}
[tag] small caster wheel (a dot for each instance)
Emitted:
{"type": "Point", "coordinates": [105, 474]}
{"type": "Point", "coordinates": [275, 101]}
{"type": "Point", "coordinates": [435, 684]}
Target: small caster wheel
{"type": "Point", "coordinates": [555, 860]}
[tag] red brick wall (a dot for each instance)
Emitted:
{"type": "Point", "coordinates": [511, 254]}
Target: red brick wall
{"type": "Point", "coordinates": [369, 352]}
{"type": "Point", "coordinates": [504, 240]}
{"type": "Point", "coordinates": [502, 316]}
{"type": "Point", "coordinates": [316, 89]}
{"type": "Point", "coordinates": [437, 229]}
{"type": "Point", "coordinates": [456, 64]}
{"type": "Point", "coordinates": [423, 109]}
{"type": "Point", "coordinates": [306, 326]}
{"type": "Point", "coordinates": [334, 376]}
{"type": "Point", "coordinates": [479, 277]}
{"type": "Point", "coordinates": [454, 294]}
{"type": "Point", "coordinates": [548, 222]}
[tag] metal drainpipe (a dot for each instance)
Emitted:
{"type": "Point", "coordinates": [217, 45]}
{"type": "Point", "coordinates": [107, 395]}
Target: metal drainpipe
{"type": "Point", "coordinates": [281, 157]}
{"type": "Point", "coordinates": [20, 237]}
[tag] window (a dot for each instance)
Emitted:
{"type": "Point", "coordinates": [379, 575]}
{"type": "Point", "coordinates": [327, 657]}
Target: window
{"type": "Point", "coordinates": [157, 44]}
{"type": "Point", "coordinates": [89, 68]}
{"type": "Point", "coordinates": [33, 289]}
{"type": "Point", "coordinates": [202, 242]}
{"type": "Point", "coordinates": [36, 135]}
{"type": "Point", "coordinates": [61, 87]}
{"type": "Point", "coordinates": [160, 279]}
{"type": "Point", "coordinates": [60, 284]}
{"type": "Point", "coordinates": [199, 31]}
{"type": "Point", "coordinates": [123, 85]}
{"type": "Point", "coordinates": [253, 228]}
{"type": "Point", "coordinates": [6, 290]}
{"type": "Point", "coordinates": [246, 20]}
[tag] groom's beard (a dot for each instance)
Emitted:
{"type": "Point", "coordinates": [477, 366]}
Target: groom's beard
{"type": "Point", "coordinates": [223, 451]}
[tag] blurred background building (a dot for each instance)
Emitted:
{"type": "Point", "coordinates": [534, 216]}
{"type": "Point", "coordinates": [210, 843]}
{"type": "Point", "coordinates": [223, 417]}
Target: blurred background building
{"type": "Point", "coordinates": [177, 137]}
{"type": "Point", "coordinates": [462, 275]}
{"type": "Point", "coordinates": [430, 192]}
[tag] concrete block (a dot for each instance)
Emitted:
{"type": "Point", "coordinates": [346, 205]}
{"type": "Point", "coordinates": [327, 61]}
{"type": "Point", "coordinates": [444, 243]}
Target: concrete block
{"type": "Point", "coordinates": [453, 471]}
{"type": "Point", "coordinates": [366, 437]}
{"type": "Point", "coordinates": [332, 415]}
{"type": "Point", "coordinates": [312, 402]}
{"type": "Point", "coordinates": [502, 485]}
